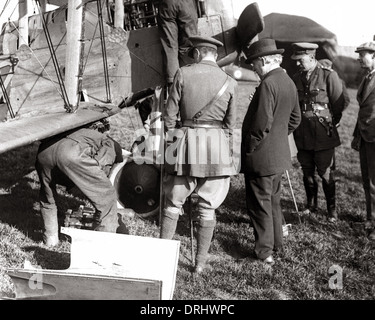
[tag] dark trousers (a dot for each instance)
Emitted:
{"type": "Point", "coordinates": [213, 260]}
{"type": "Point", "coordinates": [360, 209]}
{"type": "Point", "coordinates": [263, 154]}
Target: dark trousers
{"type": "Point", "coordinates": [367, 160]}
{"type": "Point", "coordinates": [263, 204]}
{"type": "Point", "coordinates": [323, 162]}
{"type": "Point", "coordinates": [177, 21]}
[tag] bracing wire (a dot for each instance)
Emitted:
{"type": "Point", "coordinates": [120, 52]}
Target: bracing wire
{"type": "Point", "coordinates": [65, 97]}
{"type": "Point", "coordinates": [104, 50]}
{"type": "Point", "coordinates": [40, 63]}
{"type": "Point", "coordinates": [103, 47]}
{"type": "Point", "coordinates": [5, 6]}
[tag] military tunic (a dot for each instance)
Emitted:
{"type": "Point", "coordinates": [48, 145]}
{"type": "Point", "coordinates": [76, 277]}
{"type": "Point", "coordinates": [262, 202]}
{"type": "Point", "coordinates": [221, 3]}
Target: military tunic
{"type": "Point", "coordinates": [324, 91]}
{"type": "Point", "coordinates": [201, 152]}
{"type": "Point", "coordinates": [322, 101]}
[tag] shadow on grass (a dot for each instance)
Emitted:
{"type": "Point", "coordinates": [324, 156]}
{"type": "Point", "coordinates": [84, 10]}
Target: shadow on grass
{"type": "Point", "coordinates": [20, 208]}
{"type": "Point", "coordinates": [348, 177]}
{"type": "Point", "coordinates": [49, 259]}
{"type": "Point", "coordinates": [16, 164]}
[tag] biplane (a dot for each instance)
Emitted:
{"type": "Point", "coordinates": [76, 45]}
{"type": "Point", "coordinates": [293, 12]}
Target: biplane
{"type": "Point", "coordinates": [88, 59]}
{"type": "Point", "coordinates": [85, 61]}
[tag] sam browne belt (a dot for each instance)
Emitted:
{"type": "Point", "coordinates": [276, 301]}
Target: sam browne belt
{"type": "Point", "coordinates": [208, 124]}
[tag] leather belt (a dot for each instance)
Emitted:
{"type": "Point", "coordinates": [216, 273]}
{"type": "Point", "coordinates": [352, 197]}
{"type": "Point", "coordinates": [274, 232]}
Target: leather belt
{"type": "Point", "coordinates": [208, 124]}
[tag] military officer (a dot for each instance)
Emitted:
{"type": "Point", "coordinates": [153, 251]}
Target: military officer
{"type": "Point", "coordinates": [199, 157]}
{"type": "Point", "coordinates": [322, 101]}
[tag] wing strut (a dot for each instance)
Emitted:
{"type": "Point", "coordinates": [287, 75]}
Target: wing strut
{"type": "Point", "coordinates": [104, 51]}
{"type": "Point", "coordinates": [68, 107]}
{"type": "Point", "coordinates": [6, 97]}
{"type": "Point", "coordinates": [102, 42]}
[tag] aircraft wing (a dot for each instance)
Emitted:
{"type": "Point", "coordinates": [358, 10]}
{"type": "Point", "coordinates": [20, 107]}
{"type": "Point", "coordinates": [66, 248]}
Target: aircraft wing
{"type": "Point", "coordinates": [20, 132]}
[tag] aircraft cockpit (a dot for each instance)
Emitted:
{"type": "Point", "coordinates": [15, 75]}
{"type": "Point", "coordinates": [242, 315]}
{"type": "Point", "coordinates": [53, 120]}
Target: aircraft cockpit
{"type": "Point", "coordinates": [137, 13]}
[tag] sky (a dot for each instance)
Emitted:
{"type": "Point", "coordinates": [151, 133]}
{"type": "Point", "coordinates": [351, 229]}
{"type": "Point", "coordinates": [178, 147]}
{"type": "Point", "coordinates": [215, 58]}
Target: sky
{"type": "Point", "coordinates": [353, 22]}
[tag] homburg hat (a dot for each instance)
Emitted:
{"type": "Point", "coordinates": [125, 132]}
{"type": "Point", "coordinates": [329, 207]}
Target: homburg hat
{"type": "Point", "coordinates": [261, 48]}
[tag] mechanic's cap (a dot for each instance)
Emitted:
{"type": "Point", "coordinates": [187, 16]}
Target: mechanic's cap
{"type": "Point", "coordinates": [302, 48]}
{"type": "Point", "coordinates": [367, 46]}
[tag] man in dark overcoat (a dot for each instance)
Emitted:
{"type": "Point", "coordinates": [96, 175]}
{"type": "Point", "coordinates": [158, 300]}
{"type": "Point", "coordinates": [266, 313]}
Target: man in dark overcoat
{"type": "Point", "coordinates": [199, 156]}
{"type": "Point", "coordinates": [365, 129]}
{"type": "Point", "coordinates": [265, 154]}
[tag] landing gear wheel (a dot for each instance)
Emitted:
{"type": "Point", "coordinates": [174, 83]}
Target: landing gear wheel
{"type": "Point", "coordinates": [138, 187]}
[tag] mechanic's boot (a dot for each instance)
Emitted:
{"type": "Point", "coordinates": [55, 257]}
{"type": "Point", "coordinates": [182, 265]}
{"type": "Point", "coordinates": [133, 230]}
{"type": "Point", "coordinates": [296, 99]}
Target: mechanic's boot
{"type": "Point", "coordinates": [204, 236]}
{"type": "Point", "coordinates": [168, 224]}
{"type": "Point", "coordinates": [51, 230]}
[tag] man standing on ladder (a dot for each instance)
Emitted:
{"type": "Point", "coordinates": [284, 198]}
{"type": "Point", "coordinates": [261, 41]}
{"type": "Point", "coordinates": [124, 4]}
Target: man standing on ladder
{"type": "Point", "coordinates": [199, 155]}
{"type": "Point", "coordinates": [177, 21]}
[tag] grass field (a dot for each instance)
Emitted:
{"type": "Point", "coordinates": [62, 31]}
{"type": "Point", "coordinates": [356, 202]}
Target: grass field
{"type": "Point", "coordinates": [321, 261]}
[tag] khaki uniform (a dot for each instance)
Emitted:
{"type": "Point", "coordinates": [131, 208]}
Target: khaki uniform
{"type": "Point", "coordinates": [200, 157]}
{"type": "Point", "coordinates": [322, 101]}
{"type": "Point", "coordinates": [201, 152]}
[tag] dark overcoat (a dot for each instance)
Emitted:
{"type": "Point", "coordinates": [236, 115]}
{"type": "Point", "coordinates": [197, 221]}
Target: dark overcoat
{"type": "Point", "coordinates": [366, 114]}
{"type": "Point", "coordinates": [272, 115]}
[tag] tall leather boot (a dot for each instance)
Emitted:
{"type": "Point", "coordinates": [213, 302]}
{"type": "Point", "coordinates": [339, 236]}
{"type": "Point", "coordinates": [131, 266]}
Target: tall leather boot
{"type": "Point", "coordinates": [329, 188]}
{"type": "Point", "coordinates": [51, 229]}
{"type": "Point", "coordinates": [204, 236]}
{"type": "Point", "coordinates": [168, 224]}
{"type": "Point", "coordinates": [311, 187]}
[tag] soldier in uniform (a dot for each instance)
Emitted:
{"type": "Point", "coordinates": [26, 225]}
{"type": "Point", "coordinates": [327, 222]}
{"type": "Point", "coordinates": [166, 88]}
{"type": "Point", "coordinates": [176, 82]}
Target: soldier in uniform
{"type": "Point", "coordinates": [82, 157]}
{"type": "Point", "coordinates": [199, 156]}
{"type": "Point", "coordinates": [177, 21]}
{"type": "Point", "coordinates": [364, 133]}
{"type": "Point", "coordinates": [322, 101]}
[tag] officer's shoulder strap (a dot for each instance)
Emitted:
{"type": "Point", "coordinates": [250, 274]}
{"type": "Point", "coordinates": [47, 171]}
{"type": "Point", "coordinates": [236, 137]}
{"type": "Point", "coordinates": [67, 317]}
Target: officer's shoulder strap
{"type": "Point", "coordinates": [325, 64]}
{"type": "Point", "coordinates": [326, 68]}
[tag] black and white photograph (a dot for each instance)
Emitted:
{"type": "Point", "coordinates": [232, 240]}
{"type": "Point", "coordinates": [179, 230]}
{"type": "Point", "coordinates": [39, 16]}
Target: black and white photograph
{"type": "Point", "coordinates": [193, 156]}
